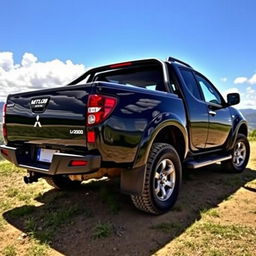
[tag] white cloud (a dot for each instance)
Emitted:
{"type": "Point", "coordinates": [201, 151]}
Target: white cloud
{"type": "Point", "coordinates": [32, 74]}
{"type": "Point", "coordinates": [252, 80]}
{"type": "Point", "coordinates": [248, 98]}
{"type": "Point", "coordinates": [224, 79]}
{"type": "Point", "coordinates": [240, 80]}
{"type": "Point", "coordinates": [250, 91]}
{"type": "Point", "coordinates": [243, 79]}
{"type": "Point", "coordinates": [28, 59]}
{"type": "Point", "coordinates": [229, 90]}
{"type": "Point", "coordinates": [6, 61]}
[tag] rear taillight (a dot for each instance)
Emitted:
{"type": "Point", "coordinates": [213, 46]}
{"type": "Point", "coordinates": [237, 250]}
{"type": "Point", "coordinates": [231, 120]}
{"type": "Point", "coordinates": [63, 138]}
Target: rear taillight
{"type": "Point", "coordinates": [91, 137]}
{"type": "Point", "coordinates": [4, 129]}
{"type": "Point", "coordinates": [78, 163]}
{"type": "Point", "coordinates": [99, 107]}
{"type": "Point", "coordinates": [4, 152]}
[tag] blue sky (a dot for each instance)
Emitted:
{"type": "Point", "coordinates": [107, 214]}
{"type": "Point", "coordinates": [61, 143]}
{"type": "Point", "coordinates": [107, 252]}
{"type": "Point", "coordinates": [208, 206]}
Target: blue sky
{"type": "Point", "coordinates": [216, 37]}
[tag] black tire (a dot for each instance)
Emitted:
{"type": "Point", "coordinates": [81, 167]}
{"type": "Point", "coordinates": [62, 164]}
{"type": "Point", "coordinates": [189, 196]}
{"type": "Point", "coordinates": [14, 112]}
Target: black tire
{"type": "Point", "coordinates": [233, 165]}
{"type": "Point", "coordinates": [62, 182]}
{"type": "Point", "coordinates": [150, 201]}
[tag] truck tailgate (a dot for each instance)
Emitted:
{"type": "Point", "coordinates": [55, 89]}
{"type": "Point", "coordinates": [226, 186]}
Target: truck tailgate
{"type": "Point", "coordinates": [51, 116]}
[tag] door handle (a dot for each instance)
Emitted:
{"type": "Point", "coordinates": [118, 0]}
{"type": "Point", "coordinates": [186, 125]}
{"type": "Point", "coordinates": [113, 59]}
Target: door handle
{"type": "Point", "coordinates": [213, 113]}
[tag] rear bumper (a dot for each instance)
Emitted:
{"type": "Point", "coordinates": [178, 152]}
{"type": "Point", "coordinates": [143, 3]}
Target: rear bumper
{"type": "Point", "coordinates": [60, 162]}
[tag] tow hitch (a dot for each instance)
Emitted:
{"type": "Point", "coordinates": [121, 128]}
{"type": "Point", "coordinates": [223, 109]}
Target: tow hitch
{"type": "Point", "coordinates": [32, 177]}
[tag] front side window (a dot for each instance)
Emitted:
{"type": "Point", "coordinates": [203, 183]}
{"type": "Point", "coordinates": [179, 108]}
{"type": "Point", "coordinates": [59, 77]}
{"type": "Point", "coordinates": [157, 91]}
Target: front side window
{"type": "Point", "coordinates": [209, 92]}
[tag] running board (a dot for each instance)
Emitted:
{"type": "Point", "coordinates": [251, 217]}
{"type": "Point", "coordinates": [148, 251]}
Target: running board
{"type": "Point", "coordinates": [194, 164]}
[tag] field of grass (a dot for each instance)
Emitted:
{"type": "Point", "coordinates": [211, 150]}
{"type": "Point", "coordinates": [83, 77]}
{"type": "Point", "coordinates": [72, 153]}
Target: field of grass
{"type": "Point", "coordinates": [215, 215]}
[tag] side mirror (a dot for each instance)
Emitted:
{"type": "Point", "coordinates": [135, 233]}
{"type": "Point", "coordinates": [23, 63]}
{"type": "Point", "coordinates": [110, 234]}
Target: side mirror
{"type": "Point", "coordinates": [233, 98]}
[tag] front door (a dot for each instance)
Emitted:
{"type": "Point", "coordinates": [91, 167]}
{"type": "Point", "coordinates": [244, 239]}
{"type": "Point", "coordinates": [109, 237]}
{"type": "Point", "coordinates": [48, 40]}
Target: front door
{"type": "Point", "coordinates": [198, 120]}
{"type": "Point", "coordinates": [220, 122]}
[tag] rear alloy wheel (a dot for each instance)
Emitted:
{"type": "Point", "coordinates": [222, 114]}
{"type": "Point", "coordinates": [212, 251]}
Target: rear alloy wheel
{"type": "Point", "coordinates": [62, 182]}
{"type": "Point", "coordinates": [162, 180]}
{"type": "Point", "coordinates": [240, 155]}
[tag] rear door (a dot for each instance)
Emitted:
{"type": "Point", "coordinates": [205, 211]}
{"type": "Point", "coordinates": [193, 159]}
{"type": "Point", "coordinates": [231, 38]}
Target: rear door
{"type": "Point", "coordinates": [219, 115]}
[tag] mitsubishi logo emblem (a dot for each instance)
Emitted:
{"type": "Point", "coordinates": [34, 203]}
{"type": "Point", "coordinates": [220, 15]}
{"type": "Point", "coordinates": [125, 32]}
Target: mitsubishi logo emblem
{"type": "Point", "coordinates": [37, 123]}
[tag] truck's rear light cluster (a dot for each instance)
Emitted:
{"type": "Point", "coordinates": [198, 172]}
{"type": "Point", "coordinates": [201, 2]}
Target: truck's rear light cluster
{"type": "Point", "coordinates": [99, 107]}
{"type": "Point", "coordinates": [4, 152]}
{"type": "Point", "coordinates": [78, 163]}
{"type": "Point", "coordinates": [91, 137]}
{"type": "Point", "coordinates": [4, 129]}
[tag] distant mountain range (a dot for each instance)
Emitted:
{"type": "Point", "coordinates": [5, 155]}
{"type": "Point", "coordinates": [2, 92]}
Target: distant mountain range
{"type": "Point", "coordinates": [249, 114]}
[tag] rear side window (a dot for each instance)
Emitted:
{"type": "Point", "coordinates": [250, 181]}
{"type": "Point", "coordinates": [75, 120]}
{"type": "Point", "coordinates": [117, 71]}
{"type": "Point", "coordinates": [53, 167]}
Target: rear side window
{"type": "Point", "coordinates": [191, 83]}
{"type": "Point", "coordinates": [150, 78]}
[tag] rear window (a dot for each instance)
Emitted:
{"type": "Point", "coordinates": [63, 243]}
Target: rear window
{"type": "Point", "coordinates": [146, 77]}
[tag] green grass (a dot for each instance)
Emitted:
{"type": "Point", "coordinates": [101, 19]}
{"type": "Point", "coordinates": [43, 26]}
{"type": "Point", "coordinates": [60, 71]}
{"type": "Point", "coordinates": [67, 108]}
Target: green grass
{"type": "Point", "coordinates": [211, 213]}
{"type": "Point", "coordinates": [29, 194]}
{"type": "Point", "coordinates": [2, 223]}
{"type": "Point", "coordinates": [226, 231]}
{"type": "Point", "coordinates": [88, 213]}
{"type": "Point", "coordinates": [111, 199]}
{"type": "Point", "coordinates": [102, 230]}
{"type": "Point", "coordinates": [167, 227]}
{"type": "Point", "coordinates": [7, 169]}
{"type": "Point", "coordinates": [23, 211]}
{"type": "Point", "coordinates": [37, 249]}
{"type": "Point", "coordinates": [44, 213]}
{"type": "Point", "coordinates": [30, 225]}
{"type": "Point", "coordinates": [5, 205]}
{"type": "Point", "coordinates": [252, 135]}
{"type": "Point", "coordinates": [234, 180]}
{"type": "Point", "coordinates": [45, 227]}
{"type": "Point", "coordinates": [58, 217]}
{"type": "Point", "coordinates": [9, 250]}
{"type": "Point", "coordinates": [51, 197]}
{"type": "Point", "coordinates": [215, 252]}
{"type": "Point", "coordinates": [215, 239]}
{"type": "Point", "coordinates": [252, 138]}
{"type": "Point", "coordinates": [12, 192]}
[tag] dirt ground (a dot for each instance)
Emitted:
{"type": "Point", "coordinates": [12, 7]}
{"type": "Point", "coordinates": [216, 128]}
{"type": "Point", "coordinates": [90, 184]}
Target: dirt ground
{"type": "Point", "coordinates": [214, 215]}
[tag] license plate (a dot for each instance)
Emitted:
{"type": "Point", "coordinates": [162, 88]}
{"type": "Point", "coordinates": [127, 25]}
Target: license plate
{"type": "Point", "coordinates": [45, 155]}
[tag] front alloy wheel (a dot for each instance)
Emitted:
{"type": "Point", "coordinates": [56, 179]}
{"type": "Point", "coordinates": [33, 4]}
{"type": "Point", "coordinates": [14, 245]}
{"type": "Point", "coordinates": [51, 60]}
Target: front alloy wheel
{"type": "Point", "coordinates": [240, 155]}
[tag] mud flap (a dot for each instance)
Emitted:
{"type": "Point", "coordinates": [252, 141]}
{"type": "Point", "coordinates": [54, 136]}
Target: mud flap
{"type": "Point", "coordinates": [132, 181]}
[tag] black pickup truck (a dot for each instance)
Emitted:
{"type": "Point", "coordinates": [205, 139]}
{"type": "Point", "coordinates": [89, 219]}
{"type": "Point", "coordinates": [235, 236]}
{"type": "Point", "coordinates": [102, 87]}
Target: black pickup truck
{"type": "Point", "coordinates": [145, 120]}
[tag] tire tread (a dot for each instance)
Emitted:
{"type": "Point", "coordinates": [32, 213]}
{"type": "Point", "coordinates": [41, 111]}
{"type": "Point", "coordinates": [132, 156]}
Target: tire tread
{"type": "Point", "coordinates": [144, 202]}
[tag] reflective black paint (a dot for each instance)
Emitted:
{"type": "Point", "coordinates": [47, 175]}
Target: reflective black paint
{"type": "Point", "coordinates": [127, 135]}
{"type": "Point", "coordinates": [65, 111]}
